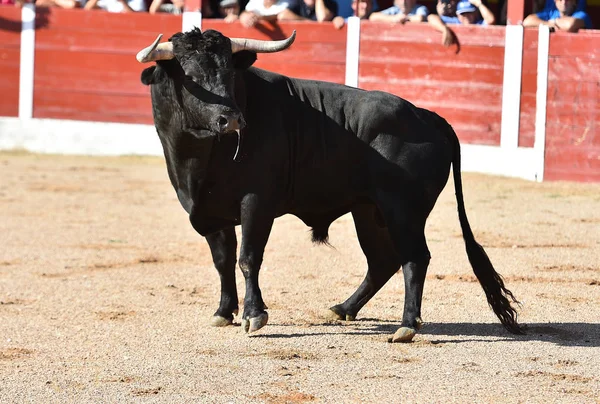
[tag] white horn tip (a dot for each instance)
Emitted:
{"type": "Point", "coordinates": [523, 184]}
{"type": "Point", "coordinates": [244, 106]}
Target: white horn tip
{"type": "Point", "coordinates": [142, 56]}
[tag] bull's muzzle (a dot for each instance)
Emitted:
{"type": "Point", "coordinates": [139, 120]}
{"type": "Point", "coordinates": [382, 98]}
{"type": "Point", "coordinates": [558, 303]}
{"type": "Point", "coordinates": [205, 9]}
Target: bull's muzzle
{"type": "Point", "coordinates": [230, 122]}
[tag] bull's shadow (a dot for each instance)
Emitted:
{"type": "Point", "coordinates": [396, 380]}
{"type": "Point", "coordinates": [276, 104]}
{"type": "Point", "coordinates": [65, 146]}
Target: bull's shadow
{"type": "Point", "coordinates": [563, 334]}
{"type": "Point", "coordinates": [271, 29]}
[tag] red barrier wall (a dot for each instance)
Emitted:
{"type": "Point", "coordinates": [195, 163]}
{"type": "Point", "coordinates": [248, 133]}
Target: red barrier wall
{"type": "Point", "coordinates": [319, 51]}
{"type": "Point", "coordinates": [528, 88]}
{"type": "Point", "coordinates": [85, 69]}
{"type": "Point", "coordinates": [10, 44]}
{"type": "Point", "coordinates": [464, 88]}
{"type": "Point", "coordinates": [573, 110]}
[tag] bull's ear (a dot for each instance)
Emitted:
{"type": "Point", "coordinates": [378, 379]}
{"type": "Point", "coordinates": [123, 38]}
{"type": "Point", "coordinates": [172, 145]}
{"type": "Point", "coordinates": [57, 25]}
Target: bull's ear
{"type": "Point", "coordinates": [148, 76]}
{"type": "Point", "coordinates": [243, 59]}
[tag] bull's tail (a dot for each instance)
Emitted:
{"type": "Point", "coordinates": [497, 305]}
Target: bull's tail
{"type": "Point", "coordinates": [498, 296]}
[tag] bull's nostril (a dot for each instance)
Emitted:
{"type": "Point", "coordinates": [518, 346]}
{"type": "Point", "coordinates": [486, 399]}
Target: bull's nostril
{"type": "Point", "coordinates": [223, 122]}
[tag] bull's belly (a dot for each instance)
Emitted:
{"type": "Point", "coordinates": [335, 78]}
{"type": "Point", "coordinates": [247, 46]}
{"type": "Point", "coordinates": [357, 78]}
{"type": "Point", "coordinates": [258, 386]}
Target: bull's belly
{"type": "Point", "coordinates": [206, 225]}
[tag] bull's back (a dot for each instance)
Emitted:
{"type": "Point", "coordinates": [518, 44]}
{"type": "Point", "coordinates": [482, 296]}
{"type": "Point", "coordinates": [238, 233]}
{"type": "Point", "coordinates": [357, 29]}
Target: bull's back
{"type": "Point", "coordinates": [345, 139]}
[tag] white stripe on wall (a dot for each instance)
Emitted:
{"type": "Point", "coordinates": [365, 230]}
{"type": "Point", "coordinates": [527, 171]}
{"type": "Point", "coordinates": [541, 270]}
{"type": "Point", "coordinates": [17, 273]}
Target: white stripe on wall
{"type": "Point", "coordinates": [352, 51]}
{"type": "Point", "coordinates": [541, 99]}
{"type": "Point", "coordinates": [520, 162]}
{"type": "Point", "coordinates": [511, 87]}
{"type": "Point", "coordinates": [78, 137]}
{"type": "Point", "coordinates": [26, 66]}
{"type": "Point", "coordinates": [190, 20]}
{"type": "Point", "coordinates": [116, 139]}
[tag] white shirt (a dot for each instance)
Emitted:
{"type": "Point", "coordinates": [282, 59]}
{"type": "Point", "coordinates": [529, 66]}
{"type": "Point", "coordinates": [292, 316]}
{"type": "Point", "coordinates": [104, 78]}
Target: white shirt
{"type": "Point", "coordinates": [258, 7]}
{"type": "Point", "coordinates": [115, 6]}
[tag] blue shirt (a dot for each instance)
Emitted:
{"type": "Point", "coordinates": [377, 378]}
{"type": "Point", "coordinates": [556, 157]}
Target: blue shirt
{"type": "Point", "coordinates": [548, 15]}
{"type": "Point", "coordinates": [454, 20]}
{"type": "Point", "coordinates": [450, 20]}
{"type": "Point", "coordinates": [344, 8]}
{"type": "Point", "coordinates": [416, 10]}
{"type": "Point", "coordinates": [551, 5]}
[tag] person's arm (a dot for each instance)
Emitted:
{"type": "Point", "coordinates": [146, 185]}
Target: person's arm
{"type": "Point", "coordinates": [416, 18]}
{"type": "Point", "coordinates": [420, 15]}
{"type": "Point", "coordinates": [338, 22]}
{"type": "Point", "coordinates": [569, 24]}
{"type": "Point", "coordinates": [67, 4]}
{"type": "Point", "coordinates": [248, 19]}
{"type": "Point", "coordinates": [381, 17]}
{"type": "Point", "coordinates": [289, 15]}
{"type": "Point", "coordinates": [322, 12]}
{"type": "Point", "coordinates": [154, 6]}
{"type": "Point", "coordinates": [486, 14]}
{"type": "Point", "coordinates": [448, 36]}
{"type": "Point", "coordinates": [532, 20]}
{"type": "Point", "coordinates": [91, 4]}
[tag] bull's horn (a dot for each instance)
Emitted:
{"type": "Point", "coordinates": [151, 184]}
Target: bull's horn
{"type": "Point", "coordinates": [156, 51]}
{"type": "Point", "coordinates": [256, 45]}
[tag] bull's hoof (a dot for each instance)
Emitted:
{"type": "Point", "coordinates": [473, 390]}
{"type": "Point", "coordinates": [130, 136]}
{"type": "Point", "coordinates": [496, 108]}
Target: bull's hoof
{"type": "Point", "coordinates": [218, 321]}
{"type": "Point", "coordinates": [336, 313]}
{"type": "Point", "coordinates": [255, 323]}
{"type": "Point", "coordinates": [404, 334]}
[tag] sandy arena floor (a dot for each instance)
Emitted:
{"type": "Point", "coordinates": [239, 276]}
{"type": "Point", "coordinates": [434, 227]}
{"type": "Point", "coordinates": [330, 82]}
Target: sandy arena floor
{"type": "Point", "coordinates": [106, 292]}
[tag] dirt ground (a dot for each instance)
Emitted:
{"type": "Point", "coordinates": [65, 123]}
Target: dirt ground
{"type": "Point", "coordinates": [106, 293]}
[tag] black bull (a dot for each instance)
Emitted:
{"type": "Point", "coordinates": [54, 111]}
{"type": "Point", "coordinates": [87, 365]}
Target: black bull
{"type": "Point", "coordinates": [313, 149]}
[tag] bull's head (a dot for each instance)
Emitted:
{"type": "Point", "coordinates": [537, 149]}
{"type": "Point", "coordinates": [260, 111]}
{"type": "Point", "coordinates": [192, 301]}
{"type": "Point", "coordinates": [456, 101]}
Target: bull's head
{"type": "Point", "coordinates": [202, 67]}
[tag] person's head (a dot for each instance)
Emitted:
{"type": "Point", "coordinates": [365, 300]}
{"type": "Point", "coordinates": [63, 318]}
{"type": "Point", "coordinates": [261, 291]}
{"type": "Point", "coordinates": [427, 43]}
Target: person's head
{"type": "Point", "coordinates": [467, 13]}
{"type": "Point", "coordinates": [405, 5]}
{"type": "Point", "coordinates": [446, 7]}
{"type": "Point", "coordinates": [310, 3]}
{"type": "Point", "coordinates": [566, 7]}
{"type": "Point", "coordinates": [362, 8]}
{"type": "Point", "coordinates": [227, 7]}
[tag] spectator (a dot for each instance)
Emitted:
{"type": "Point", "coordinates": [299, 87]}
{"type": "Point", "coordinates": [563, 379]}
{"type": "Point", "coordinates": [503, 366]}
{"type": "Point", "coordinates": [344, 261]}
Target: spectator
{"type": "Point", "coordinates": [55, 3]}
{"type": "Point", "coordinates": [361, 8]}
{"type": "Point", "coordinates": [564, 17]}
{"type": "Point", "coordinates": [229, 10]}
{"type": "Point", "coordinates": [116, 6]}
{"type": "Point", "coordinates": [166, 6]}
{"type": "Point", "coordinates": [475, 12]}
{"type": "Point", "coordinates": [581, 4]}
{"type": "Point", "coordinates": [345, 10]}
{"type": "Point", "coordinates": [210, 9]}
{"type": "Point", "coordinates": [446, 12]}
{"type": "Point", "coordinates": [313, 10]}
{"type": "Point", "coordinates": [401, 12]}
{"type": "Point", "coordinates": [265, 10]}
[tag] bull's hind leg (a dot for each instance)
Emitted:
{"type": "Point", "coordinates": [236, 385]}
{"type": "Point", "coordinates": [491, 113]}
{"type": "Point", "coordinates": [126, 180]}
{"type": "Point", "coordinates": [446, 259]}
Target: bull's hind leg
{"type": "Point", "coordinates": [223, 246]}
{"type": "Point", "coordinates": [382, 260]}
{"type": "Point", "coordinates": [406, 224]}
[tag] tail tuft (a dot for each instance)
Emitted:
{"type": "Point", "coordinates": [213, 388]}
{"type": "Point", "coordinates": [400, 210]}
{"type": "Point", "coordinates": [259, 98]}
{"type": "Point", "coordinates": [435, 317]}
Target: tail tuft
{"type": "Point", "coordinates": [498, 296]}
{"type": "Point", "coordinates": [320, 235]}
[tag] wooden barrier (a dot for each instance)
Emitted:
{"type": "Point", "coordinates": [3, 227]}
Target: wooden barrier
{"type": "Point", "coordinates": [85, 70]}
{"type": "Point", "coordinates": [573, 109]}
{"type": "Point", "coordinates": [465, 88]}
{"type": "Point", "coordinates": [10, 42]}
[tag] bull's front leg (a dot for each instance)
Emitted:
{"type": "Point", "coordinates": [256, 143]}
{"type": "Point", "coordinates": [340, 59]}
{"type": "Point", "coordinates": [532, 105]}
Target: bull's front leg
{"type": "Point", "coordinates": [223, 247]}
{"type": "Point", "coordinates": [257, 221]}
